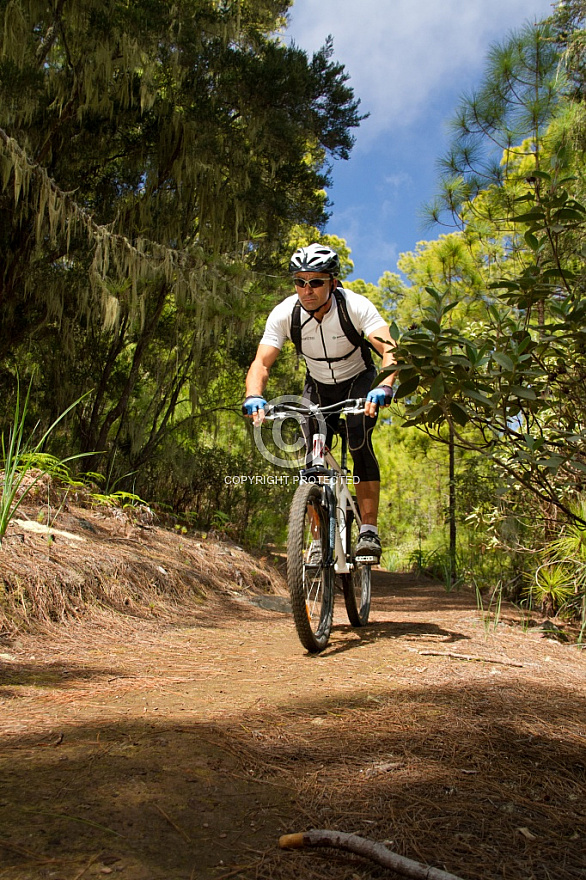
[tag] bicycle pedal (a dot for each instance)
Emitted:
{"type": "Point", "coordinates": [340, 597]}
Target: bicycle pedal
{"type": "Point", "coordinates": [367, 560]}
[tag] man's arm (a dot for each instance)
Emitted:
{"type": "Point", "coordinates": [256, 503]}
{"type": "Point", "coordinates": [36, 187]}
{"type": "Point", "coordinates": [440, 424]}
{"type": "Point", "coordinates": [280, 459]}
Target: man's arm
{"type": "Point", "coordinates": [260, 368]}
{"type": "Point", "coordinates": [384, 344]}
{"type": "Point", "coordinates": [386, 349]}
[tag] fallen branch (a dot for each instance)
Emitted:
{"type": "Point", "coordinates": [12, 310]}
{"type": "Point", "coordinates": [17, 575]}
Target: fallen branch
{"type": "Point", "coordinates": [470, 657]}
{"type": "Point", "coordinates": [362, 846]}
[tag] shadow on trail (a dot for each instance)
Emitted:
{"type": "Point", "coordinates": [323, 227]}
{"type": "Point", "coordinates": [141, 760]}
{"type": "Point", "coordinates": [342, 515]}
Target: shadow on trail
{"type": "Point", "coordinates": [26, 673]}
{"type": "Point", "coordinates": [155, 800]}
{"type": "Point", "coordinates": [485, 780]}
{"type": "Point", "coordinates": [396, 590]}
{"type": "Point", "coordinates": [400, 593]}
{"type": "Point", "coordinates": [375, 632]}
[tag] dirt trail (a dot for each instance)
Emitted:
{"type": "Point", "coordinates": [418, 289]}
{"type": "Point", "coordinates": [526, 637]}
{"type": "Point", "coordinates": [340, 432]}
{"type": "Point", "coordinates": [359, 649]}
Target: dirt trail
{"type": "Point", "coordinates": [184, 748]}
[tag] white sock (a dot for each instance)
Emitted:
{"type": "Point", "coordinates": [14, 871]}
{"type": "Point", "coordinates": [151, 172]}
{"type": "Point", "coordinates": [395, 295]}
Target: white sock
{"type": "Point", "coordinates": [368, 528]}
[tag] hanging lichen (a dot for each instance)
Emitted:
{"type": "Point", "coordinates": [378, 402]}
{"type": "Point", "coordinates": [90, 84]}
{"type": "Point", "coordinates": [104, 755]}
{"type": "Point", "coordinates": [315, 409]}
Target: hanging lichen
{"type": "Point", "coordinates": [152, 161]}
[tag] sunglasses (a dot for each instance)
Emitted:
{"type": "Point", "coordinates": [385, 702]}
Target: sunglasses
{"type": "Point", "coordinates": [314, 283]}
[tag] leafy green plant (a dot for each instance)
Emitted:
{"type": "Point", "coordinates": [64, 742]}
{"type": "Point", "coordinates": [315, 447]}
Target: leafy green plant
{"type": "Point", "coordinates": [117, 499]}
{"type": "Point", "coordinates": [20, 455]}
{"type": "Point", "coordinates": [560, 581]}
{"type": "Point", "coordinates": [552, 587]}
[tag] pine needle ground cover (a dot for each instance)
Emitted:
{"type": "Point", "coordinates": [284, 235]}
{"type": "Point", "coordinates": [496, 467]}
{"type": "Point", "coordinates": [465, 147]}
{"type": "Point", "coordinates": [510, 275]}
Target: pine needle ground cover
{"type": "Point", "coordinates": [182, 734]}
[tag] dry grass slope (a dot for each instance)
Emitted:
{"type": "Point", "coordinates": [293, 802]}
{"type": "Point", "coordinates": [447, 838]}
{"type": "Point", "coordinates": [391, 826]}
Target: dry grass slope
{"type": "Point", "coordinates": [65, 553]}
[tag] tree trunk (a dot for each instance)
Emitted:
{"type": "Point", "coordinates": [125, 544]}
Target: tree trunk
{"type": "Point", "coordinates": [452, 507]}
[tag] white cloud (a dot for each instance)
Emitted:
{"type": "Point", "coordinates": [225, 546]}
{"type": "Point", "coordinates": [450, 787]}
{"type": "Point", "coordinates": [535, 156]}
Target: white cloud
{"type": "Point", "coordinates": [397, 181]}
{"type": "Point", "coordinates": [400, 54]}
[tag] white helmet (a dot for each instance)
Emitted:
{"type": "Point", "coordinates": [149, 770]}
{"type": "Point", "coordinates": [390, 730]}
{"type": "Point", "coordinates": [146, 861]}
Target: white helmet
{"type": "Point", "coordinates": [315, 258]}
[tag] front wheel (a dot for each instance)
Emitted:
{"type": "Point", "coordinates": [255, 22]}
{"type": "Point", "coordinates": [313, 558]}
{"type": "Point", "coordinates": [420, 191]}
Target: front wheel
{"type": "Point", "coordinates": [309, 576]}
{"type": "Point", "coordinates": [356, 584]}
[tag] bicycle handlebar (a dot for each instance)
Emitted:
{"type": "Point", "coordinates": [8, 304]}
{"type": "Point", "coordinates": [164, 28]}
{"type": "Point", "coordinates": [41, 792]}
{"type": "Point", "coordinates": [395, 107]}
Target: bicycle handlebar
{"type": "Point", "coordinates": [354, 405]}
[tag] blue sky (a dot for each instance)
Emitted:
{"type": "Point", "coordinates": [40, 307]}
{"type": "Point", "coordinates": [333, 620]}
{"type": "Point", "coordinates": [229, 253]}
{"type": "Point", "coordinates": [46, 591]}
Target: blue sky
{"type": "Point", "coordinates": [409, 61]}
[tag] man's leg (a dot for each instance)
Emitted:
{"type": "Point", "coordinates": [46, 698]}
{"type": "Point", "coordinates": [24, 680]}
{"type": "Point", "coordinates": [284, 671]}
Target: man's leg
{"type": "Point", "coordinates": [366, 469]}
{"type": "Point", "coordinates": [368, 494]}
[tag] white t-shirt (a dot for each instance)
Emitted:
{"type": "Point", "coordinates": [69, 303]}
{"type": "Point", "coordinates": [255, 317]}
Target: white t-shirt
{"type": "Point", "coordinates": [325, 339]}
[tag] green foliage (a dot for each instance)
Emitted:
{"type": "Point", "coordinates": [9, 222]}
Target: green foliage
{"type": "Point", "coordinates": [569, 23]}
{"type": "Point", "coordinates": [116, 499]}
{"type": "Point", "coordinates": [506, 116]}
{"type": "Point", "coordinates": [551, 588]}
{"type": "Point", "coordinates": [20, 455]}
{"type": "Point", "coordinates": [438, 564]}
{"type": "Point", "coordinates": [558, 583]}
{"type": "Point", "coordinates": [413, 475]}
{"type": "Point", "coordinates": [491, 347]}
{"type": "Point", "coordinates": [517, 379]}
{"type": "Point", "coordinates": [152, 165]}
{"type": "Point", "coordinates": [159, 125]}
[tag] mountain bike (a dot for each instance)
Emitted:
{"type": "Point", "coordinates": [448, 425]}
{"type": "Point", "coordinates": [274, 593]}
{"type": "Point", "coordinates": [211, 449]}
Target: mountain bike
{"type": "Point", "coordinates": [324, 524]}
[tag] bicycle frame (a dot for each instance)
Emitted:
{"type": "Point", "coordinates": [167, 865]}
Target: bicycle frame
{"type": "Point", "coordinates": [333, 477]}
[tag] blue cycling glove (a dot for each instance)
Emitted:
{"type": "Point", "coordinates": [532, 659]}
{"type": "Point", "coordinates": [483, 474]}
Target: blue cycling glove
{"type": "Point", "coordinates": [252, 405]}
{"type": "Point", "coordinates": [382, 395]}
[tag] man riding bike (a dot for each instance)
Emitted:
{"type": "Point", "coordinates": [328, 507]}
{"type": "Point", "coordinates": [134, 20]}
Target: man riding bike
{"type": "Point", "coordinates": [334, 329]}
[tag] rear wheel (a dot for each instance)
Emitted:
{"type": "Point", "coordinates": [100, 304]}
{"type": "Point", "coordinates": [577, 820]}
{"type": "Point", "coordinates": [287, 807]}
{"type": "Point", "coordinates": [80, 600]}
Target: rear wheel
{"type": "Point", "coordinates": [356, 584]}
{"type": "Point", "coordinates": [309, 577]}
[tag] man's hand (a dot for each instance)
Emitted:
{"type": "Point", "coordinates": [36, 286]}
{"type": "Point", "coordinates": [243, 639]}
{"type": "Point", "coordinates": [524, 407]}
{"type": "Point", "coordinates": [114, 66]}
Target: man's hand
{"type": "Point", "coordinates": [382, 395]}
{"type": "Point", "coordinates": [254, 407]}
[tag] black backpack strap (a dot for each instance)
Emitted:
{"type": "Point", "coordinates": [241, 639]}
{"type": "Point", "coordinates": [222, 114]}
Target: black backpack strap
{"type": "Point", "coordinates": [296, 327]}
{"type": "Point", "coordinates": [357, 339]}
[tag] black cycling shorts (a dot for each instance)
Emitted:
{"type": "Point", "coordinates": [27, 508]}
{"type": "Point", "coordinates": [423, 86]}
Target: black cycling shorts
{"type": "Point", "coordinates": [359, 428]}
